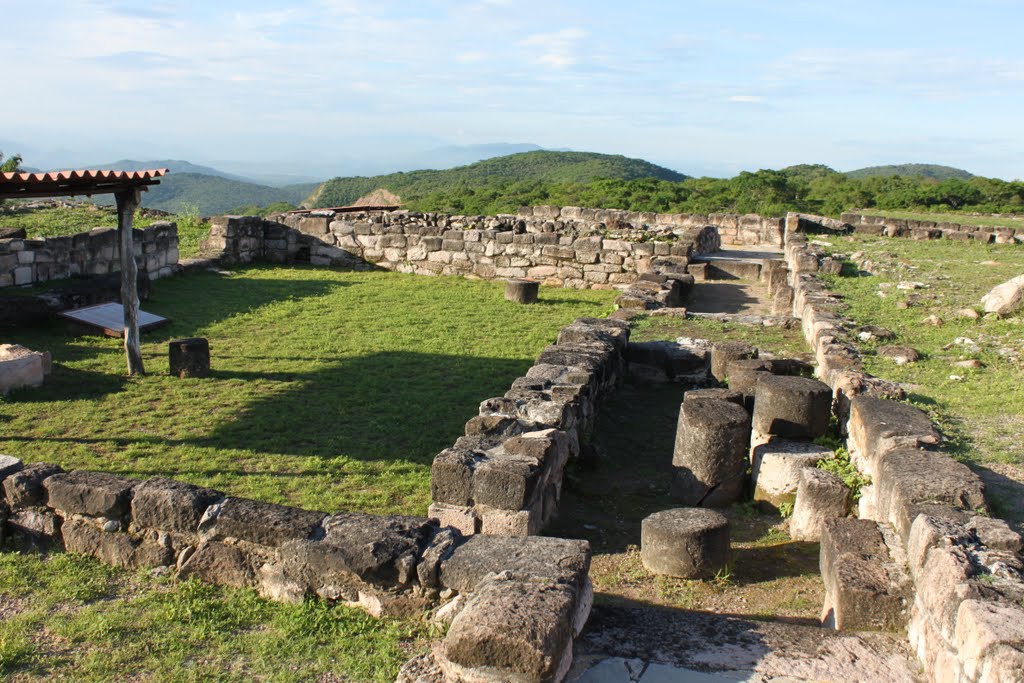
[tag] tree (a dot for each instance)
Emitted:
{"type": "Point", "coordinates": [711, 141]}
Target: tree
{"type": "Point", "coordinates": [11, 165]}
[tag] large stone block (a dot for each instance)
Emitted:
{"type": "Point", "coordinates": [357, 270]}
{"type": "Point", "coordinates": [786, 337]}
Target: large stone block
{"type": "Point", "coordinates": [20, 367]}
{"type": "Point", "coordinates": [556, 559]}
{"type": "Point", "coordinates": [722, 353]}
{"type": "Point", "coordinates": [451, 476]}
{"type": "Point", "coordinates": [878, 425]}
{"type": "Point", "coordinates": [909, 478]}
{"type": "Point", "coordinates": [25, 487]}
{"type": "Point", "coordinates": [267, 524]}
{"type": "Point", "coordinates": [115, 548]}
{"type": "Point", "coordinates": [791, 407]}
{"type": "Point", "coordinates": [95, 494]}
{"type": "Point", "coordinates": [512, 630]}
{"type": "Point", "coordinates": [710, 458]}
{"type": "Point", "coordinates": [777, 466]}
{"type": "Point", "coordinates": [820, 496]}
{"type": "Point", "coordinates": [983, 625]}
{"type": "Point", "coordinates": [218, 563]}
{"type": "Point", "coordinates": [171, 505]}
{"type": "Point", "coordinates": [37, 526]}
{"type": "Point", "coordinates": [509, 482]}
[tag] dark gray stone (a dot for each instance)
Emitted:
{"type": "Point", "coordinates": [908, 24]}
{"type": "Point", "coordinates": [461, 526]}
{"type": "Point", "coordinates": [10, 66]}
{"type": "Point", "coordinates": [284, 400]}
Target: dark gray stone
{"type": "Point", "coordinates": [268, 524]}
{"type": "Point", "coordinates": [688, 543]}
{"type": "Point", "coordinates": [189, 357]}
{"type": "Point", "coordinates": [669, 358]}
{"type": "Point", "coordinates": [722, 353]}
{"type": "Point", "coordinates": [792, 407]}
{"type": "Point", "coordinates": [90, 493]}
{"type": "Point", "coordinates": [25, 488]}
{"type": "Point", "coordinates": [532, 556]}
{"type": "Point", "coordinates": [441, 546]}
{"type": "Point", "coordinates": [36, 526]}
{"type": "Point", "coordinates": [171, 505]}
{"type": "Point", "coordinates": [714, 394]}
{"type": "Point", "coordinates": [710, 458]}
{"type": "Point", "coordinates": [522, 291]}
{"type": "Point", "coordinates": [504, 481]}
{"type": "Point", "coordinates": [451, 476]}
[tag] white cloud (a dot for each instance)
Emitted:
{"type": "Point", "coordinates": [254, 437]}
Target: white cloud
{"type": "Point", "coordinates": [558, 49]}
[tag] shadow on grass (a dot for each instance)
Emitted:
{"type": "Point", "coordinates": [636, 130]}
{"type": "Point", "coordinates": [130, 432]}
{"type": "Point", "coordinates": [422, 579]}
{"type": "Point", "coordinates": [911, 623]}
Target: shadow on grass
{"type": "Point", "coordinates": [722, 297]}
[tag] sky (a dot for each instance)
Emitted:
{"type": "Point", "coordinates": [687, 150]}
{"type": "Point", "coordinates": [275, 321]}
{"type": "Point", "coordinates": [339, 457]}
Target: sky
{"type": "Point", "coordinates": [701, 87]}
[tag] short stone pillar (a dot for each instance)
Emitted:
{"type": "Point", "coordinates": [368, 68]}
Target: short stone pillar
{"type": "Point", "coordinates": [714, 393]}
{"type": "Point", "coordinates": [723, 353]}
{"type": "Point", "coordinates": [689, 543]}
{"type": "Point", "coordinates": [777, 466]}
{"type": "Point", "coordinates": [522, 291]}
{"type": "Point", "coordinates": [710, 458]}
{"type": "Point", "coordinates": [189, 357]}
{"type": "Point", "coordinates": [791, 407]}
{"type": "Point", "coordinates": [820, 496]}
{"type": "Point", "coordinates": [743, 376]}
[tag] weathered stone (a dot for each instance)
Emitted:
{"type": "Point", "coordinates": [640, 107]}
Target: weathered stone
{"type": "Point", "coordinates": [522, 291]}
{"type": "Point", "coordinates": [513, 630]}
{"type": "Point", "coordinates": [791, 407]}
{"type": "Point", "coordinates": [90, 493]}
{"type": "Point", "coordinates": [901, 355]}
{"type": "Point", "coordinates": [554, 559]}
{"type": "Point", "coordinates": [189, 357]}
{"type": "Point", "coordinates": [37, 526]}
{"type": "Point", "coordinates": [983, 625]}
{"type": "Point", "coordinates": [777, 466]}
{"type": "Point", "coordinates": [908, 478]}
{"type": "Point", "coordinates": [9, 465]}
{"type": "Point", "coordinates": [267, 524]}
{"type": "Point", "coordinates": [1006, 298]}
{"type": "Point", "coordinates": [714, 393]}
{"type": "Point", "coordinates": [710, 458]}
{"type": "Point", "coordinates": [451, 476]}
{"type": "Point", "coordinates": [687, 543]}
{"type": "Point", "coordinates": [441, 546]}
{"type": "Point", "coordinates": [722, 353]}
{"type": "Point", "coordinates": [879, 425]}
{"type": "Point", "coordinates": [820, 496]}
{"type": "Point", "coordinates": [506, 481]}
{"type": "Point", "coordinates": [20, 367]}
{"type": "Point", "coordinates": [668, 359]}
{"type": "Point", "coordinates": [461, 517]}
{"type": "Point", "coordinates": [171, 505]}
{"type": "Point", "coordinates": [215, 562]}
{"type": "Point", "coordinates": [116, 549]}
{"type": "Point", "coordinates": [25, 488]}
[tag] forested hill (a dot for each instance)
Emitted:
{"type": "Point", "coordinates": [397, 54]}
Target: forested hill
{"type": "Point", "coordinates": [932, 171]}
{"type": "Point", "coordinates": [494, 175]}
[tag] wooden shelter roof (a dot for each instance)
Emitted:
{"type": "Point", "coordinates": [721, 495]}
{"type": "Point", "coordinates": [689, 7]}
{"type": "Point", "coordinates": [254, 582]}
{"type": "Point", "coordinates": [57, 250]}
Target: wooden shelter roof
{"type": "Point", "coordinates": [63, 183]}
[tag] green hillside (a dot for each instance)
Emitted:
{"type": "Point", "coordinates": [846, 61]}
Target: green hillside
{"type": "Point", "coordinates": [213, 195]}
{"type": "Point", "coordinates": [933, 171]}
{"type": "Point", "coordinates": [494, 175]}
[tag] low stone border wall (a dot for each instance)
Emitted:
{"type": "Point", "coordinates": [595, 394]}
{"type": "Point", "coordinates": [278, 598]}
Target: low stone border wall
{"type": "Point", "coordinates": [504, 476]}
{"type": "Point", "coordinates": [97, 252]}
{"type": "Point", "coordinates": [577, 254]}
{"type": "Point", "coordinates": [514, 605]}
{"type": "Point", "coordinates": [905, 227]}
{"type": "Point", "coordinates": [925, 554]}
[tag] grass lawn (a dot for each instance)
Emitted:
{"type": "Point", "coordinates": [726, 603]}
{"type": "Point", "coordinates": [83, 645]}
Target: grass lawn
{"type": "Point", "coordinates": [980, 410]}
{"type": "Point", "coordinates": [1008, 221]}
{"type": "Point", "coordinates": [82, 217]}
{"type": "Point", "coordinates": [332, 391]}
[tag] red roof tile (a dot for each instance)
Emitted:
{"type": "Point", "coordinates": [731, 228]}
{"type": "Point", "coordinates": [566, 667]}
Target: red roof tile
{"type": "Point", "coordinates": [88, 182]}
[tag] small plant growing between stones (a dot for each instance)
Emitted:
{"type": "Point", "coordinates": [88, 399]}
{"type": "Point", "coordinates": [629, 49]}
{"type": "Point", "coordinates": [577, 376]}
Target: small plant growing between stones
{"type": "Point", "coordinates": [843, 467]}
{"type": "Point", "coordinates": [723, 577]}
{"type": "Point", "coordinates": [786, 508]}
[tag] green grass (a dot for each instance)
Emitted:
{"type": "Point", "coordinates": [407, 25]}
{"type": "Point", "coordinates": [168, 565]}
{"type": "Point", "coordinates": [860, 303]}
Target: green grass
{"type": "Point", "coordinates": [778, 340]}
{"type": "Point", "coordinates": [1008, 221]}
{"type": "Point", "coordinates": [982, 412]}
{"type": "Point", "coordinates": [331, 390]}
{"type": "Point", "coordinates": [59, 221]}
{"type": "Point", "coordinates": [70, 618]}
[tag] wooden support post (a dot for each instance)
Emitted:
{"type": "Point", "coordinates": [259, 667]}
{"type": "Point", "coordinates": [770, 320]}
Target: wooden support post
{"type": "Point", "coordinates": [127, 202]}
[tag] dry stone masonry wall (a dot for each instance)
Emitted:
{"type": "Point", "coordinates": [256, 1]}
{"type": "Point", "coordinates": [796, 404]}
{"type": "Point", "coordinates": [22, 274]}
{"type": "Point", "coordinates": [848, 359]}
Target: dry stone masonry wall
{"type": "Point", "coordinates": [514, 605]}
{"type": "Point", "coordinates": [925, 555]}
{"type": "Point", "coordinates": [97, 252]}
{"type": "Point", "coordinates": [904, 227]}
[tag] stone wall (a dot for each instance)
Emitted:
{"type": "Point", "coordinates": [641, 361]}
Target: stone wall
{"type": "Point", "coordinates": [97, 252]}
{"type": "Point", "coordinates": [563, 253]}
{"type": "Point", "coordinates": [913, 229]}
{"type": "Point", "coordinates": [504, 477]}
{"type": "Point", "coordinates": [925, 555]}
{"type": "Point", "coordinates": [386, 565]}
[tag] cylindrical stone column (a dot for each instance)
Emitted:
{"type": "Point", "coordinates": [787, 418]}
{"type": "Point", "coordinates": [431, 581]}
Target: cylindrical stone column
{"type": "Point", "coordinates": [522, 291]}
{"type": "Point", "coordinates": [715, 394]}
{"type": "Point", "coordinates": [688, 543]}
{"type": "Point", "coordinates": [189, 357]}
{"type": "Point", "coordinates": [744, 374]}
{"type": "Point", "coordinates": [710, 459]}
{"type": "Point", "coordinates": [791, 407]}
{"type": "Point", "coordinates": [722, 353]}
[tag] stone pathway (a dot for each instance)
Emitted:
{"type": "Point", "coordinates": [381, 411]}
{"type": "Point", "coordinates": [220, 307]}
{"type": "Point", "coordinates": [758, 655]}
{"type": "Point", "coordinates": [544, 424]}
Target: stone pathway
{"type": "Point", "coordinates": [643, 644]}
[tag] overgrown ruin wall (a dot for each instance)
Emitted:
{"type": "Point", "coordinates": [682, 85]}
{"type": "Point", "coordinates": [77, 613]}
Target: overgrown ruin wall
{"type": "Point", "coordinates": [943, 568]}
{"type": "Point", "coordinates": [97, 252]}
{"type": "Point", "coordinates": [563, 253]}
{"type": "Point", "coordinates": [884, 226]}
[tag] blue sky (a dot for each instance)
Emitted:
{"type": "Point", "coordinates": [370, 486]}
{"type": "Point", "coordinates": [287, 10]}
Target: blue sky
{"type": "Point", "coordinates": [702, 87]}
